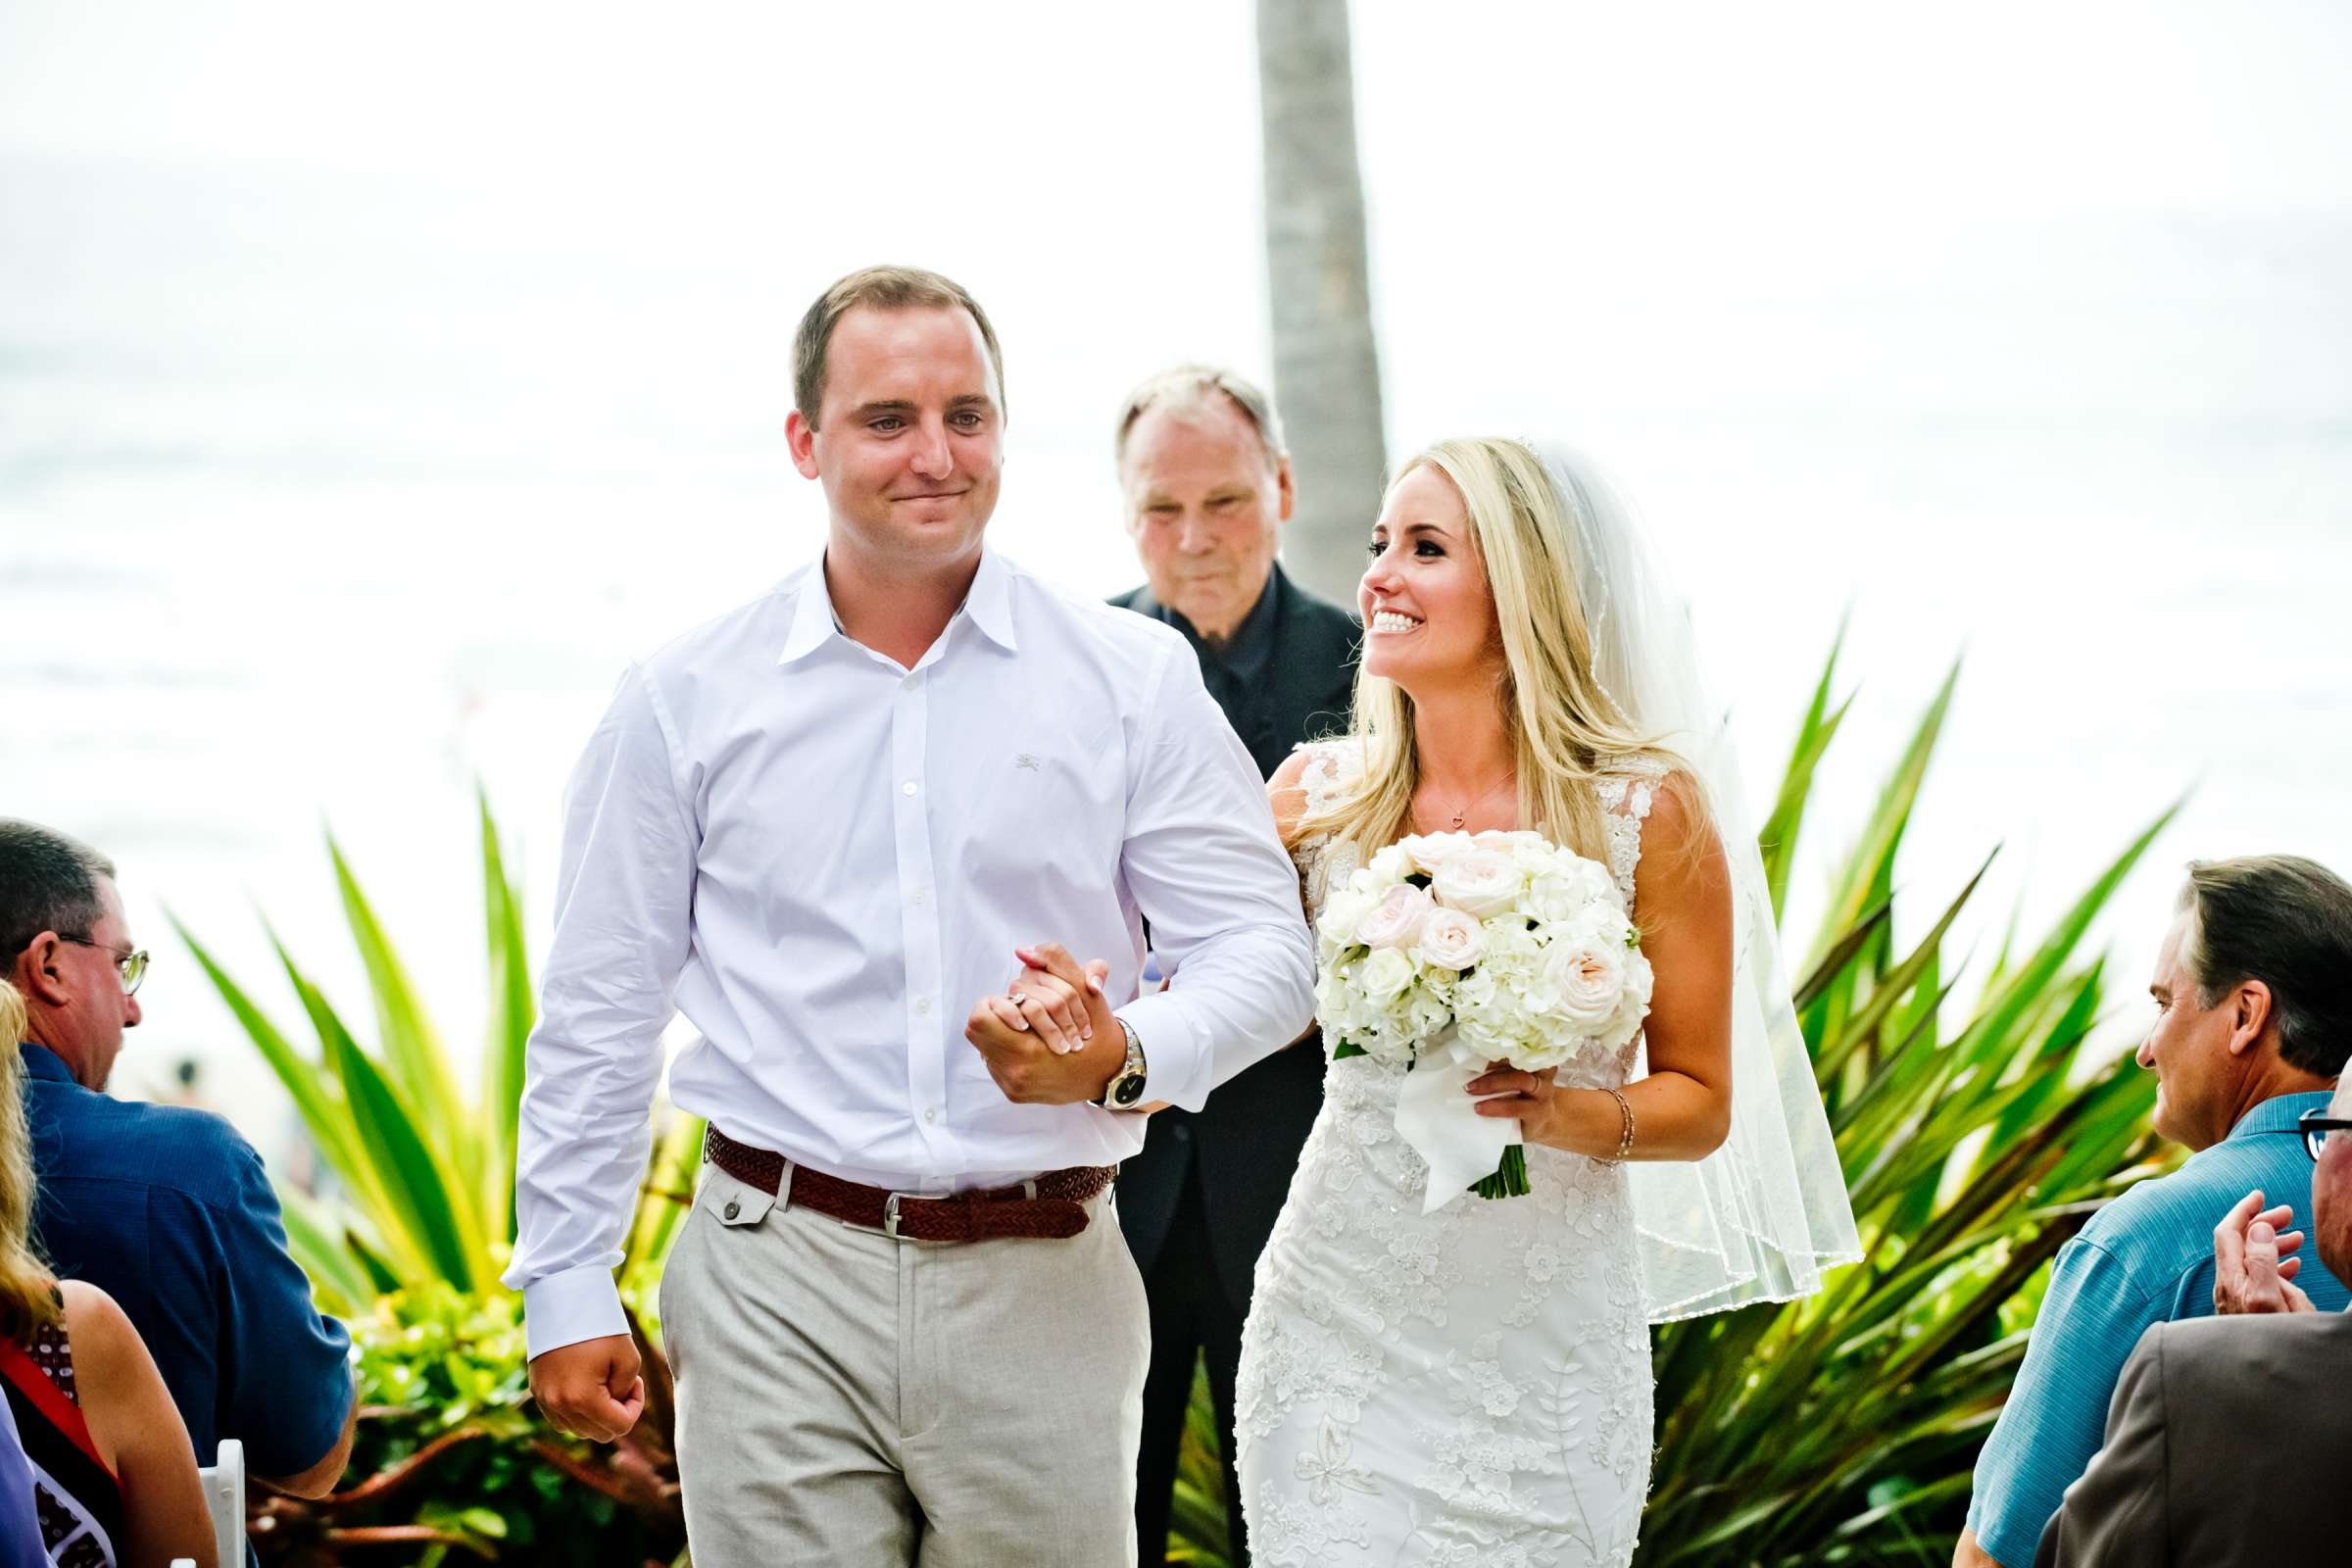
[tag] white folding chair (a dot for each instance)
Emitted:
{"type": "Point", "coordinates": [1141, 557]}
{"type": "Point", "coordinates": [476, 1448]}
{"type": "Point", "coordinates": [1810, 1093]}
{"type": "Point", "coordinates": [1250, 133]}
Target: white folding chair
{"type": "Point", "coordinates": [224, 1500]}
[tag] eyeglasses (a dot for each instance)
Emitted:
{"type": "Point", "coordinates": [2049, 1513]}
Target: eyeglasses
{"type": "Point", "coordinates": [2316, 1128]}
{"type": "Point", "coordinates": [129, 962]}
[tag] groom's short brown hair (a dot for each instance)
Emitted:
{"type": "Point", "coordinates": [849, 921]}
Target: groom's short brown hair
{"type": "Point", "coordinates": [885, 288]}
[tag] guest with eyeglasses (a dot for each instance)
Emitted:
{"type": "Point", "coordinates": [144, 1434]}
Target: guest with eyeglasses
{"type": "Point", "coordinates": [2230, 1437]}
{"type": "Point", "coordinates": [2253, 1021]}
{"type": "Point", "coordinates": [164, 1207]}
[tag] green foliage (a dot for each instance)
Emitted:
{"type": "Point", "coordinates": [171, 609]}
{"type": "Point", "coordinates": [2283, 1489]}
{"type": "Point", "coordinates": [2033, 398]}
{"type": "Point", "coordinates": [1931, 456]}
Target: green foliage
{"type": "Point", "coordinates": [1843, 1428]}
{"type": "Point", "coordinates": [451, 1454]}
{"type": "Point", "coordinates": [457, 1464]}
{"type": "Point", "coordinates": [426, 1176]}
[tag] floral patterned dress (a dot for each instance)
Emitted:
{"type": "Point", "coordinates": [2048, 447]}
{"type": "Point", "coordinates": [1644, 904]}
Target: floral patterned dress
{"type": "Point", "coordinates": [1468, 1387]}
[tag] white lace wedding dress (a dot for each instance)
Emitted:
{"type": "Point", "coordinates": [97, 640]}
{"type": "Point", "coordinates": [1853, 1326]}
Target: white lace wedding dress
{"type": "Point", "coordinates": [1467, 1387]}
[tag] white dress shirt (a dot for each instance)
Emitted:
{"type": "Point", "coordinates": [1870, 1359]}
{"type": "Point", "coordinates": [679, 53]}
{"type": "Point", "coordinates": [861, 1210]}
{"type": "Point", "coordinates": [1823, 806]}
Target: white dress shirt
{"type": "Point", "coordinates": [823, 859]}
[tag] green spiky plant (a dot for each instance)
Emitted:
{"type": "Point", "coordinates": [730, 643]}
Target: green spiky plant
{"type": "Point", "coordinates": [428, 1175]}
{"type": "Point", "coordinates": [451, 1454]}
{"type": "Point", "coordinates": [1842, 1428]}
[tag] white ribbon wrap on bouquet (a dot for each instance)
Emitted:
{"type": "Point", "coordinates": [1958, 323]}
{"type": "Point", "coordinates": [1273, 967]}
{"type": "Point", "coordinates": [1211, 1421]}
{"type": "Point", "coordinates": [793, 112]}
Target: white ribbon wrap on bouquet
{"type": "Point", "coordinates": [1437, 1117]}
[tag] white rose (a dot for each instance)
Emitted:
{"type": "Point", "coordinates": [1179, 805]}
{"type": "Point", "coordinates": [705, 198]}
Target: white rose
{"type": "Point", "coordinates": [1395, 921]}
{"type": "Point", "coordinates": [1451, 939]}
{"type": "Point", "coordinates": [1343, 912]}
{"type": "Point", "coordinates": [1430, 851]}
{"type": "Point", "coordinates": [1535, 857]}
{"type": "Point", "coordinates": [1386, 866]}
{"type": "Point", "coordinates": [1385, 975]}
{"type": "Point", "coordinates": [1590, 979]}
{"type": "Point", "coordinates": [1554, 897]}
{"type": "Point", "coordinates": [1478, 882]}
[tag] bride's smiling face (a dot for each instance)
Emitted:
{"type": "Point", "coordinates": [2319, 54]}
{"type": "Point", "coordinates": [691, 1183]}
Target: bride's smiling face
{"type": "Point", "coordinates": [1429, 617]}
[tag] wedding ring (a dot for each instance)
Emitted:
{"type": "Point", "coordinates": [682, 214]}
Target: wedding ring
{"type": "Point", "coordinates": [1018, 998]}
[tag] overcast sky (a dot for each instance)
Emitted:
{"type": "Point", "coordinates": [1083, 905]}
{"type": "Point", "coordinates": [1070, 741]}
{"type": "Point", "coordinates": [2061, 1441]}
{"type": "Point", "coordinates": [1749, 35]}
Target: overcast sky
{"type": "Point", "coordinates": [374, 382]}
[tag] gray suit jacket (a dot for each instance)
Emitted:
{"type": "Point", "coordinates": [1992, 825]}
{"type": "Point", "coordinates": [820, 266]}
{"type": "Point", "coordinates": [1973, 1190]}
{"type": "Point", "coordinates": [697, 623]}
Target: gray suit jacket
{"type": "Point", "coordinates": [2228, 1441]}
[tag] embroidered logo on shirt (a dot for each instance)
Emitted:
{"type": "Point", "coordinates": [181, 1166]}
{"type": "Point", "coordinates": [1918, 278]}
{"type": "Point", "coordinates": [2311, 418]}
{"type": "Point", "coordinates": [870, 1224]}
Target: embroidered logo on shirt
{"type": "Point", "coordinates": [1025, 760]}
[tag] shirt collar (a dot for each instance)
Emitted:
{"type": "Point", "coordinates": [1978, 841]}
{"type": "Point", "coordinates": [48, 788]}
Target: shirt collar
{"type": "Point", "coordinates": [1251, 640]}
{"type": "Point", "coordinates": [42, 1063]}
{"type": "Point", "coordinates": [2279, 1114]}
{"type": "Point", "coordinates": [988, 602]}
{"type": "Point", "coordinates": [813, 618]}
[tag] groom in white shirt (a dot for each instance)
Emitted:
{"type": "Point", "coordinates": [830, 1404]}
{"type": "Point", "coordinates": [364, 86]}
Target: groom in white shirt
{"type": "Point", "coordinates": [903, 1325]}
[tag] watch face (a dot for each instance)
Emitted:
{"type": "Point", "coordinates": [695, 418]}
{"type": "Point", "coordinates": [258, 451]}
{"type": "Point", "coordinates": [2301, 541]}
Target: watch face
{"type": "Point", "coordinates": [1128, 1090]}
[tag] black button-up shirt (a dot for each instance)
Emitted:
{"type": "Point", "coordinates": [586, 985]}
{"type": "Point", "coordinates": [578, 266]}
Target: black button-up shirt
{"type": "Point", "coordinates": [1256, 707]}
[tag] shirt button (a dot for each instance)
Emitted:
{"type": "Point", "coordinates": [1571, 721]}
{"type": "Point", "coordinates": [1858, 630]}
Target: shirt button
{"type": "Point", "coordinates": [732, 1209]}
{"type": "Point", "coordinates": [931, 1116]}
{"type": "Point", "coordinates": [922, 1004]}
{"type": "Point", "coordinates": [907, 788]}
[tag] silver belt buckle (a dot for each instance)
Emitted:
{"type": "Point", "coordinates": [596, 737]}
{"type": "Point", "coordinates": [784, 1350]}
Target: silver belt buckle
{"type": "Point", "coordinates": [890, 1218]}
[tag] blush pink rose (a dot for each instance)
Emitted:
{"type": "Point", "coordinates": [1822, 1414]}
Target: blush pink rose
{"type": "Point", "coordinates": [1451, 939]}
{"type": "Point", "coordinates": [1396, 920]}
{"type": "Point", "coordinates": [1478, 882]}
{"type": "Point", "coordinates": [1590, 981]}
{"type": "Point", "coordinates": [1430, 851]}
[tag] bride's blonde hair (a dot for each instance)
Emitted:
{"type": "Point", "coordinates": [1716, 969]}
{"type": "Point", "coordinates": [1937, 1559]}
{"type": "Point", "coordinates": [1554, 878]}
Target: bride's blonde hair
{"type": "Point", "coordinates": [1565, 730]}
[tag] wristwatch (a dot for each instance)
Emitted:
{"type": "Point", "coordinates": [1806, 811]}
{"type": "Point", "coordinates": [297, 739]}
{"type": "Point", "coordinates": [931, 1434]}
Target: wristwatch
{"type": "Point", "coordinates": [1126, 1088]}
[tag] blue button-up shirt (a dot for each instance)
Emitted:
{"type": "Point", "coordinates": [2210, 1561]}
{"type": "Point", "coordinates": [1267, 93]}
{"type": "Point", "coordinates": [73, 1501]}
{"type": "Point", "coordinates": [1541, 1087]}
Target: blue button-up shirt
{"type": "Point", "coordinates": [2145, 1258]}
{"type": "Point", "coordinates": [167, 1210]}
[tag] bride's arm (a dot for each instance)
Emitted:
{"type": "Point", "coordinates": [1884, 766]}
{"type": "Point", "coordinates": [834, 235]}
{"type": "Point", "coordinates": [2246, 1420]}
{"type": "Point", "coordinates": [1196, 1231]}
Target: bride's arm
{"type": "Point", "coordinates": [1683, 1110]}
{"type": "Point", "coordinates": [1683, 897]}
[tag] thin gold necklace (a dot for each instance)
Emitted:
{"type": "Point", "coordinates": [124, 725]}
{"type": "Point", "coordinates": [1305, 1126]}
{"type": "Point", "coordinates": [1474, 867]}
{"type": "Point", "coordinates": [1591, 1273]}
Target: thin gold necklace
{"type": "Point", "coordinates": [1461, 812]}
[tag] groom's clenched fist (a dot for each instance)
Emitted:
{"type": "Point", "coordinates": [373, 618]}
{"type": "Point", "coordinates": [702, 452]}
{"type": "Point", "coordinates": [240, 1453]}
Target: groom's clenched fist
{"type": "Point", "coordinates": [1051, 1039]}
{"type": "Point", "coordinates": [591, 1389]}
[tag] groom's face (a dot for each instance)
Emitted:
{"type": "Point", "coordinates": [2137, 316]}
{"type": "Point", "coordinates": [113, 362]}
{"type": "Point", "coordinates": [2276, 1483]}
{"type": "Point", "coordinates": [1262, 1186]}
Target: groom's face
{"type": "Point", "coordinates": [909, 441]}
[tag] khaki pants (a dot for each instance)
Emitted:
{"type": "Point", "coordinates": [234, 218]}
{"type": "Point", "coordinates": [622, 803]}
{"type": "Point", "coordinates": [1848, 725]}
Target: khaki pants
{"type": "Point", "coordinates": [848, 1400]}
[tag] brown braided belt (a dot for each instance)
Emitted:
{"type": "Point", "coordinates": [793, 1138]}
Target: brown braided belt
{"type": "Point", "coordinates": [1051, 1208]}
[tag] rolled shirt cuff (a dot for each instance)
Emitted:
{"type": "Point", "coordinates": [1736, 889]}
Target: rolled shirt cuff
{"type": "Point", "coordinates": [1176, 1064]}
{"type": "Point", "coordinates": [567, 1308]}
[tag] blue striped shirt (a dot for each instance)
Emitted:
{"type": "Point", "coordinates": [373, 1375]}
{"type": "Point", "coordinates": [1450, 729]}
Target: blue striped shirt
{"type": "Point", "coordinates": [2145, 1258]}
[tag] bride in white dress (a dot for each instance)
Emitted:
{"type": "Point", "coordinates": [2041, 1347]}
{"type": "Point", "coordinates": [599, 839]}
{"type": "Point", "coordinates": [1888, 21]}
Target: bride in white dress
{"type": "Point", "coordinates": [1472, 1386]}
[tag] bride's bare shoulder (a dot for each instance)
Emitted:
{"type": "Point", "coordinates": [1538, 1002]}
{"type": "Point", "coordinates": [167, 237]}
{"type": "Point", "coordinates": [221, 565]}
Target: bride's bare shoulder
{"type": "Point", "coordinates": [1286, 790]}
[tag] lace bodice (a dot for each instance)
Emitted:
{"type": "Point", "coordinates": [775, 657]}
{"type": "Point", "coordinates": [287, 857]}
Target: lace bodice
{"type": "Point", "coordinates": [1464, 1386]}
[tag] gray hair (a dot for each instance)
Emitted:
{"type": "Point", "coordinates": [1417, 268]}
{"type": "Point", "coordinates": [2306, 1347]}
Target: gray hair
{"type": "Point", "coordinates": [2287, 922]}
{"type": "Point", "coordinates": [48, 882]}
{"type": "Point", "coordinates": [1192, 386]}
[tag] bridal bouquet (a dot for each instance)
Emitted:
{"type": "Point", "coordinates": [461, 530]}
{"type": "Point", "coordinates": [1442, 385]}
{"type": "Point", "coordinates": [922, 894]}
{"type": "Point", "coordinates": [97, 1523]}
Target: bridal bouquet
{"type": "Point", "coordinates": [1451, 950]}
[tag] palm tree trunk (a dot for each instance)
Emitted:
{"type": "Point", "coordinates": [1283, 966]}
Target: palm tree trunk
{"type": "Point", "coordinates": [1326, 367]}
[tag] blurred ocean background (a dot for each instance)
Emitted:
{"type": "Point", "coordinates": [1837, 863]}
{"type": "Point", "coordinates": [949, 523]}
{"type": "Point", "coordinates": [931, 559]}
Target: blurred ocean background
{"type": "Point", "coordinates": [373, 387]}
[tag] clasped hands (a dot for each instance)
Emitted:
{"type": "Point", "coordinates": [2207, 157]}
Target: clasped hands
{"type": "Point", "coordinates": [1049, 1038]}
{"type": "Point", "coordinates": [2254, 1268]}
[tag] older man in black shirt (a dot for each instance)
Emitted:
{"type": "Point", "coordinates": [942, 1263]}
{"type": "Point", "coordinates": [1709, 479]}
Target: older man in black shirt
{"type": "Point", "coordinates": [1208, 486]}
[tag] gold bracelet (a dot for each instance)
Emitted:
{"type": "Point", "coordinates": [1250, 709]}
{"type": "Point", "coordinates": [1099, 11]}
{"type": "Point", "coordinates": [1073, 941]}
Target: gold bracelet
{"type": "Point", "coordinates": [1625, 1141]}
